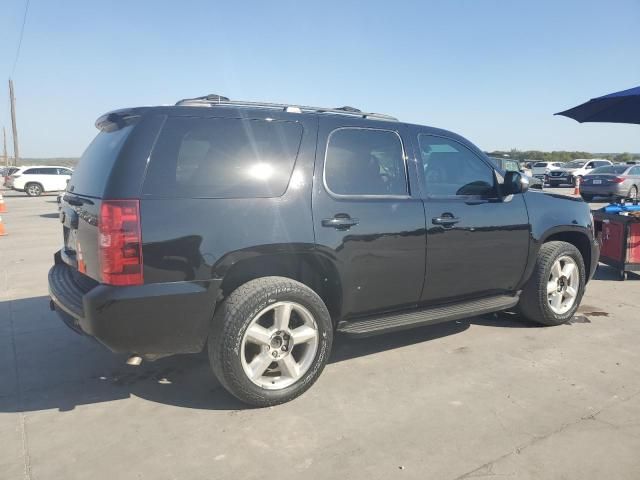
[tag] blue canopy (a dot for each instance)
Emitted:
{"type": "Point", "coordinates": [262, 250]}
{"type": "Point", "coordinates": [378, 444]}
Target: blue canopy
{"type": "Point", "coordinates": [618, 107]}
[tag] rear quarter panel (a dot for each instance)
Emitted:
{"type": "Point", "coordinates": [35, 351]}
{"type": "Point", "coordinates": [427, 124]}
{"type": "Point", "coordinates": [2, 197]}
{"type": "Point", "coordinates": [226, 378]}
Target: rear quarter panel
{"type": "Point", "coordinates": [200, 239]}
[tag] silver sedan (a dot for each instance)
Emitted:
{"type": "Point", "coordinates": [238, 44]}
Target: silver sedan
{"type": "Point", "coordinates": [618, 181]}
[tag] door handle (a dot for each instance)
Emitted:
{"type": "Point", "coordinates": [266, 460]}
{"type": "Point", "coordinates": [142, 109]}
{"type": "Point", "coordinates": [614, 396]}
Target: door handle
{"type": "Point", "coordinates": [340, 222]}
{"type": "Point", "coordinates": [446, 219]}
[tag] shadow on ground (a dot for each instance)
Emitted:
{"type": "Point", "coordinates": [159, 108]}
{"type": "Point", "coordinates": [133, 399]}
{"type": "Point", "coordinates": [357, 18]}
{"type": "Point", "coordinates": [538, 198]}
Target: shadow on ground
{"type": "Point", "coordinates": [47, 366]}
{"type": "Point", "coordinates": [605, 272]}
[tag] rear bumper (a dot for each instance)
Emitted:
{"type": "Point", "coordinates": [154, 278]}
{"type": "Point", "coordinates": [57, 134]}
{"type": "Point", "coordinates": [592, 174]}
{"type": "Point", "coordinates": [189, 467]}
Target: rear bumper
{"type": "Point", "coordinates": [604, 190]}
{"type": "Point", "coordinates": [155, 319]}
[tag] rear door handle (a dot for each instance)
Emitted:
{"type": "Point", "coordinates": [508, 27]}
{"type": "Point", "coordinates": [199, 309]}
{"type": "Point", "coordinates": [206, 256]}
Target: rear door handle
{"type": "Point", "coordinates": [340, 222]}
{"type": "Point", "coordinates": [445, 220]}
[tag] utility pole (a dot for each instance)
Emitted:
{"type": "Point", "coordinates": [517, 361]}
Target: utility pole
{"type": "Point", "coordinates": [16, 150]}
{"type": "Point", "coordinates": [4, 142]}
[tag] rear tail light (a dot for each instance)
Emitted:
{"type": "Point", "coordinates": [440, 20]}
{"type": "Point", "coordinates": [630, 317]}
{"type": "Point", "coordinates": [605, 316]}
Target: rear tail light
{"type": "Point", "coordinates": [617, 180]}
{"type": "Point", "coordinates": [120, 242]}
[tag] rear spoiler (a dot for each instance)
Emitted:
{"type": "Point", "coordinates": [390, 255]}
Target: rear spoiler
{"type": "Point", "coordinates": [112, 121]}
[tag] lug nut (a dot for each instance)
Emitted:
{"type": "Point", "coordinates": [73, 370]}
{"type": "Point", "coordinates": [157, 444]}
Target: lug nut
{"type": "Point", "coordinates": [286, 337]}
{"type": "Point", "coordinates": [275, 354]}
{"type": "Point", "coordinates": [284, 348]}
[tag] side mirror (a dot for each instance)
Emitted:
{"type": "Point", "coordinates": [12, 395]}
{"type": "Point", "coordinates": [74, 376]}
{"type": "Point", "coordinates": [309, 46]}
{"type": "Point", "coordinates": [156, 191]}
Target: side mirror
{"type": "Point", "coordinates": [514, 183]}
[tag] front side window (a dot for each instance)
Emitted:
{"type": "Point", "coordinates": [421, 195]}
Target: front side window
{"type": "Point", "coordinates": [451, 169]}
{"type": "Point", "coordinates": [362, 161]}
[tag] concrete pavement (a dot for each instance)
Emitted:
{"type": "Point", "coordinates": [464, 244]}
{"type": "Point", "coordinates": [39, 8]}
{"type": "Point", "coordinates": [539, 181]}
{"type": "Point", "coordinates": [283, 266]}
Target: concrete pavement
{"type": "Point", "coordinates": [489, 396]}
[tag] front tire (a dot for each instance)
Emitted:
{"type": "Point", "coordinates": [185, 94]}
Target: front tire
{"type": "Point", "coordinates": [554, 291]}
{"type": "Point", "coordinates": [270, 340]}
{"type": "Point", "coordinates": [33, 189]}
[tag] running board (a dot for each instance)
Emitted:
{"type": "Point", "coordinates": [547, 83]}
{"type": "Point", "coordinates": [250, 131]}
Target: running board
{"type": "Point", "coordinates": [369, 326]}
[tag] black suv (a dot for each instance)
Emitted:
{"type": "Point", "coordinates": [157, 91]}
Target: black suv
{"type": "Point", "coordinates": [259, 230]}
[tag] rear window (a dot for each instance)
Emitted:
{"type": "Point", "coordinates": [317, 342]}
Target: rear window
{"type": "Point", "coordinates": [223, 158]}
{"type": "Point", "coordinates": [93, 169]}
{"type": "Point", "coordinates": [614, 169]}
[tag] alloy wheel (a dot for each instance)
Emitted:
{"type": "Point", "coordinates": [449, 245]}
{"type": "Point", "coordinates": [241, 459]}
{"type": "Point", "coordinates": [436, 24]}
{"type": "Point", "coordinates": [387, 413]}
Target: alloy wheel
{"type": "Point", "coordinates": [279, 345]}
{"type": "Point", "coordinates": [563, 285]}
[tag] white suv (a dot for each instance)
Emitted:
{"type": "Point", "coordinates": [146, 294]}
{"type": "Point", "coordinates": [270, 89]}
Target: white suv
{"type": "Point", "coordinates": [541, 169]}
{"type": "Point", "coordinates": [35, 180]}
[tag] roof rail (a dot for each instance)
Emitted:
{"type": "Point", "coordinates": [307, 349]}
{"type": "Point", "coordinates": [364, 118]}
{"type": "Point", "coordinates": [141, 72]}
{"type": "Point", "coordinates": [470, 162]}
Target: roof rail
{"type": "Point", "coordinates": [218, 100]}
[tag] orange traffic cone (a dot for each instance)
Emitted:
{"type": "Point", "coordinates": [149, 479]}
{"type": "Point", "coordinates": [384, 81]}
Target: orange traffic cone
{"type": "Point", "coordinates": [2, 232]}
{"type": "Point", "coordinates": [3, 206]}
{"type": "Point", "coordinates": [576, 190]}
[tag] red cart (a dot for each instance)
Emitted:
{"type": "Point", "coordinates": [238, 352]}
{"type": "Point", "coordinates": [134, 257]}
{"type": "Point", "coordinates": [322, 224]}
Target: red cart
{"type": "Point", "coordinates": [619, 237]}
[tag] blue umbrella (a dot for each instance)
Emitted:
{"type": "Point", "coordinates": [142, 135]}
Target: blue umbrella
{"type": "Point", "coordinates": [619, 107]}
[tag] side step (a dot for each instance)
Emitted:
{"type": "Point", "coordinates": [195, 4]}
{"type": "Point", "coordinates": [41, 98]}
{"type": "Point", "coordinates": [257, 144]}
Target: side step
{"type": "Point", "coordinates": [365, 327]}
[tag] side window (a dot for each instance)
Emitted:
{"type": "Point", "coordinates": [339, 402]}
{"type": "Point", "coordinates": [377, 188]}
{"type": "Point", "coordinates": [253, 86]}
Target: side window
{"type": "Point", "coordinates": [31, 171]}
{"type": "Point", "coordinates": [511, 166]}
{"type": "Point", "coordinates": [634, 171]}
{"type": "Point", "coordinates": [64, 171]}
{"type": "Point", "coordinates": [452, 169]}
{"type": "Point", "coordinates": [362, 161]}
{"type": "Point", "coordinates": [50, 171]}
{"type": "Point", "coordinates": [223, 158]}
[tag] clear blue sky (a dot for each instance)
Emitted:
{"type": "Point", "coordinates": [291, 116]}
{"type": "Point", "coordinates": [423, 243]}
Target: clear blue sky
{"type": "Point", "coordinates": [493, 71]}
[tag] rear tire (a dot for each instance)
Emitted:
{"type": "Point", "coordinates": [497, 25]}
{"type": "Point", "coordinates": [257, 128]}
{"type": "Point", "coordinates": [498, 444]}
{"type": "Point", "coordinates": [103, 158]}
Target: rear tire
{"type": "Point", "coordinates": [586, 197]}
{"type": "Point", "coordinates": [552, 278]}
{"type": "Point", "coordinates": [262, 345]}
{"type": "Point", "coordinates": [33, 189]}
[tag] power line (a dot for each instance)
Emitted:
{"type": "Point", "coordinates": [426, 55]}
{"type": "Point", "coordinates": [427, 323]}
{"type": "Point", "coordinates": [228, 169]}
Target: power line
{"type": "Point", "coordinates": [24, 21]}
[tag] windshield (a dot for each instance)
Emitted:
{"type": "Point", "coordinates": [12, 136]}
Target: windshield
{"type": "Point", "coordinates": [575, 164]}
{"type": "Point", "coordinates": [613, 169]}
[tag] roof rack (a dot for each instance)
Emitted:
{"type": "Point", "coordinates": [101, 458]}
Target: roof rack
{"type": "Point", "coordinates": [218, 100]}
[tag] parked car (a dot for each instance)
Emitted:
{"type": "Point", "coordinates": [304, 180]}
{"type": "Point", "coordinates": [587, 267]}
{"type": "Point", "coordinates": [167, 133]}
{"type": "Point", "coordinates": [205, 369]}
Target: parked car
{"type": "Point", "coordinates": [570, 171]}
{"type": "Point", "coordinates": [510, 165]}
{"type": "Point", "coordinates": [35, 180]}
{"type": "Point", "coordinates": [261, 230]}
{"type": "Point", "coordinates": [541, 169]}
{"type": "Point", "coordinates": [7, 172]}
{"type": "Point", "coordinates": [618, 181]}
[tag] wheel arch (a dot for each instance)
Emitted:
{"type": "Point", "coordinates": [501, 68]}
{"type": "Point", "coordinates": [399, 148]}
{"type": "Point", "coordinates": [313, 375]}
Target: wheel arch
{"type": "Point", "coordinates": [309, 268]}
{"type": "Point", "coordinates": [34, 182]}
{"type": "Point", "coordinates": [578, 239]}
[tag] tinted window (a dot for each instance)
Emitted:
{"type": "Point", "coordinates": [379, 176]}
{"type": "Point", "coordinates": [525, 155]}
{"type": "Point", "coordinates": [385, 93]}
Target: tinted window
{"type": "Point", "coordinates": [541, 164]}
{"type": "Point", "coordinates": [615, 169]}
{"type": "Point", "coordinates": [94, 167]}
{"type": "Point", "coordinates": [452, 169]}
{"type": "Point", "coordinates": [223, 158]}
{"type": "Point", "coordinates": [49, 171]}
{"type": "Point", "coordinates": [363, 161]}
{"type": "Point", "coordinates": [31, 171]}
